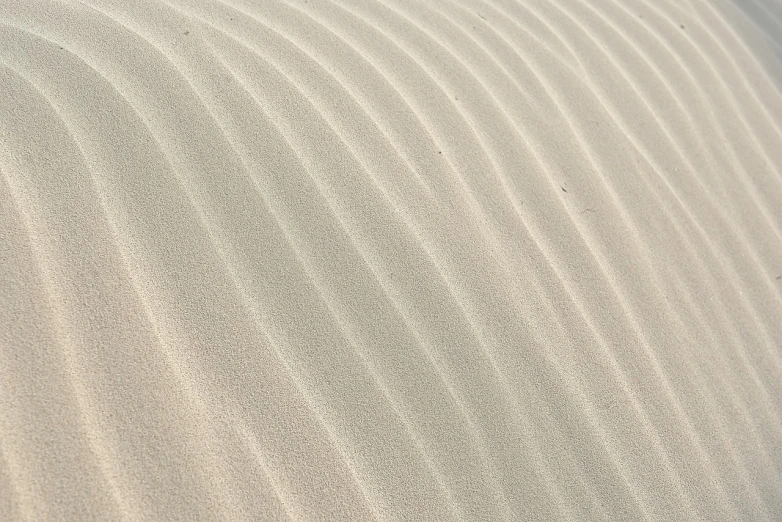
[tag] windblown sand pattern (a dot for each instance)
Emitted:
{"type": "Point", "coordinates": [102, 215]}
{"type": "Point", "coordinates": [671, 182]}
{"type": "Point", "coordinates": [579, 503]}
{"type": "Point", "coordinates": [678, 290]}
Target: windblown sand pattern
{"type": "Point", "coordinates": [400, 260]}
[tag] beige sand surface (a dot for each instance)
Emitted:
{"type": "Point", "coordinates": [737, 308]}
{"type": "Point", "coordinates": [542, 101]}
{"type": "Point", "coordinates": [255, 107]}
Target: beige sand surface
{"type": "Point", "coordinates": [391, 259]}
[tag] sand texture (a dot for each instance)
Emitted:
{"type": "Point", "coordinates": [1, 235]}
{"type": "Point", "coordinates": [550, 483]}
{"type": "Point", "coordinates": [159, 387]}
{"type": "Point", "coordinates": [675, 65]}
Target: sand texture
{"type": "Point", "coordinates": [340, 260]}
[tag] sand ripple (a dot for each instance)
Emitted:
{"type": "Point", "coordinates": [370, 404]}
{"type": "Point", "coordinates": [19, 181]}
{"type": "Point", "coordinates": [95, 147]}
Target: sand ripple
{"type": "Point", "coordinates": [394, 259]}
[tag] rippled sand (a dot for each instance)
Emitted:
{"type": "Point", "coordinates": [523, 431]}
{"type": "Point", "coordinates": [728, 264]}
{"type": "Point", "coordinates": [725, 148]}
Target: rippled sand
{"type": "Point", "coordinates": [404, 260]}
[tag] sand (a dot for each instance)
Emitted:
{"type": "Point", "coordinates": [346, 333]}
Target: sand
{"type": "Point", "coordinates": [401, 260]}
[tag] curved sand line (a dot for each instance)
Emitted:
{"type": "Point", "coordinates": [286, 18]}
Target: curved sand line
{"type": "Point", "coordinates": [390, 259]}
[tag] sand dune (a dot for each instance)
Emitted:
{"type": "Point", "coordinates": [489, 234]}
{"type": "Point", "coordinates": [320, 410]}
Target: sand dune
{"type": "Point", "coordinates": [393, 259]}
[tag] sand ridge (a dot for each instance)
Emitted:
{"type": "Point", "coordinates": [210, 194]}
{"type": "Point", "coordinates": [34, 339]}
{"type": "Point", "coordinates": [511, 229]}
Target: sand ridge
{"type": "Point", "coordinates": [390, 259]}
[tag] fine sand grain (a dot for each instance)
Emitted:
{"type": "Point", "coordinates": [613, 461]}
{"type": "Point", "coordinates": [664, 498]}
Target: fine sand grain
{"type": "Point", "coordinates": [341, 260]}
